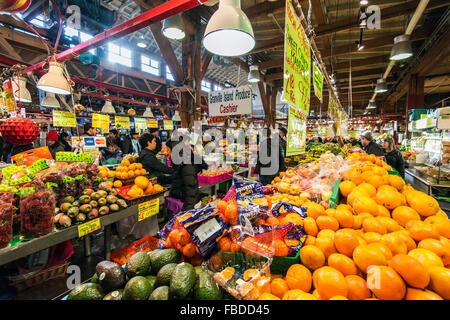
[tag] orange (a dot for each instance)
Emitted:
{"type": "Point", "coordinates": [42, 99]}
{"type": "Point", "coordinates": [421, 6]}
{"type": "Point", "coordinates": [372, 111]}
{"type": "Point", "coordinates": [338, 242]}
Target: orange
{"type": "Point", "coordinates": [383, 212]}
{"type": "Point", "coordinates": [390, 224]}
{"type": "Point", "coordinates": [234, 247]}
{"type": "Point", "coordinates": [355, 176]}
{"type": "Point", "coordinates": [365, 204]}
{"type": "Point", "coordinates": [395, 243]}
{"type": "Point", "coordinates": [346, 240]}
{"type": "Point", "coordinates": [299, 277]}
{"type": "Point", "coordinates": [316, 294]}
{"type": "Point", "coordinates": [342, 263]}
{"type": "Point", "coordinates": [345, 207]}
{"type": "Point", "coordinates": [327, 222]}
{"type": "Point", "coordinates": [132, 167]}
{"type": "Point", "coordinates": [281, 249]}
{"type": "Point", "coordinates": [440, 281]}
{"type": "Point", "coordinates": [386, 187]}
{"type": "Point", "coordinates": [292, 217]}
{"type": "Point", "coordinates": [310, 241]}
{"type": "Point", "coordinates": [364, 216]}
{"type": "Point", "coordinates": [345, 218]}
{"type": "Point", "coordinates": [422, 230]}
{"type": "Point", "coordinates": [388, 199]}
{"type": "Point", "coordinates": [372, 237]}
{"type": "Point", "coordinates": [404, 235]}
{"type": "Point", "coordinates": [110, 183]}
{"type": "Point", "coordinates": [326, 244]}
{"type": "Point", "coordinates": [329, 282]}
{"type": "Point", "coordinates": [385, 283]}
{"type": "Point", "coordinates": [442, 224]}
{"type": "Point", "coordinates": [117, 184]}
{"type": "Point", "coordinates": [251, 274]}
{"type": "Point", "coordinates": [365, 256]}
{"type": "Point", "coordinates": [310, 226]}
{"type": "Point", "coordinates": [357, 288]}
{"type": "Point", "coordinates": [416, 294]}
{"type": "Point", "coordinates": [315, 210]}
{"type": "Point", "coordinates": [426, 257]}
{"type": "Point", "coordinates": [396, 181]}
{"type": "Point", "coordinates": [375, 180]}
{"type": "Point", "coordinates": [222, 206]}
{"type": "Point", "coordinates": [137, 172]}
{"type": "Point", "coordinates": [268, 296]}
{"type": "Point", "coordinates": [232, 213]}
{"type": "Point", "coordinates": [373, 225]}
{"type": "Point", "coordinates": [130, 174]}
{"type": "Point", "coordinates": [438, 247]}
{"type": "Point", "coordinates": [298, 295]}
{"type": "Point", "coordinates": [354, 195]}
{"type": "Point", "coordinates": [279, 287]}
{"type": "Point", "coordinates": [346, 187]}
{"type": "Point", "coordinates": [412, 271]}
{"type": "Point", "coordinates": [312, 257]}
{"type": "Point", "coordinates": [404, 214]}
{"type": "Point", "coordinates": [330, 212]}
{"type": "Point", "coordinates": [424, 204]}
{"type": "Point", "coordinates": [368, 188]}
{"type": "Point", "coordinates": [189, 250]}
{"type": "Point", "coordinates": [384, 248]}
{"type": "Point", "coordinates": [357, 222]}
{"type": "Point", "coordinates": [183, 237]}
{"type": "Point", "coordinates": [125, 163]}
{"type": "Point", "coordinates": [338, 298]}
{"type": "Point", "coordinates": [272, 221]}
{"type": "Point", "coordinates": [224, 244]}
{"type": "Point", "coordinates": [326, 233]}
{"type": "Point", "coordinates": [141, 182]}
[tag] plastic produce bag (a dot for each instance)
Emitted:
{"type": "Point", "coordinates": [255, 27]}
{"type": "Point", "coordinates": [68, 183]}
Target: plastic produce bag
{"type": "Point", "coordinates": [6, 218]}
{"type": "Point", "coordinates": [36, 212]}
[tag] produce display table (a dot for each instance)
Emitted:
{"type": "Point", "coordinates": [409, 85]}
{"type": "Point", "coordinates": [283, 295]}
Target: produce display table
{"type": "Point", "coordinates": [212, 186]}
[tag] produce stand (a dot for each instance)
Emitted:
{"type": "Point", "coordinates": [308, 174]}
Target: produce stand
{"type": "Point", "coordinates": [213, 186]}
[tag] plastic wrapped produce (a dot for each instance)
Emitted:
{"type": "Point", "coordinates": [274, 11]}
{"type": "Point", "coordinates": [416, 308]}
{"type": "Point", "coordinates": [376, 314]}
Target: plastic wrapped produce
{"type": "Point", "coordinates": [6, 218]}
{"type": "Point", "coordinates": [36, 214]}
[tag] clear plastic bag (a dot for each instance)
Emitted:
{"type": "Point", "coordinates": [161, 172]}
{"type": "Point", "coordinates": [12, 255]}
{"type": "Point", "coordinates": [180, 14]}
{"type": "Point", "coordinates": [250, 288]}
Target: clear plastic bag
{"type": "Point", "coordinates": [6, 218]}
{"type": "Point", "coordinates": [36, 213]}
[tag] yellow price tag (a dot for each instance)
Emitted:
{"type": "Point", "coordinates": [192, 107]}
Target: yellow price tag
{"type": "Point", "coordinates": [88, 227]}
{"type": "Point", "coordinates": [64, 119]}
{"type": "Point", "coordinates": [122, 122]}
{"type": "Point", "coordinates": [148, 209]}
{"type": "Point", "coordinates": [152, 123]}
{"type": "Point", "coordinates": [100, 121]}
{"type": "Point", "coordinates": [168, 125]}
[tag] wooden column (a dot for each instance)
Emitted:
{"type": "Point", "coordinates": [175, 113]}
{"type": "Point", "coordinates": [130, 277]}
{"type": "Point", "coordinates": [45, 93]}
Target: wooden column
{"type": "Point", "coordinates": [273, 106]}
{"type": "Point", "coordinates": [415, 97]}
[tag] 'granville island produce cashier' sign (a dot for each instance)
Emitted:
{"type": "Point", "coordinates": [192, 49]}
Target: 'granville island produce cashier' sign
{"type": "Point", "coordinates": [230, 101]}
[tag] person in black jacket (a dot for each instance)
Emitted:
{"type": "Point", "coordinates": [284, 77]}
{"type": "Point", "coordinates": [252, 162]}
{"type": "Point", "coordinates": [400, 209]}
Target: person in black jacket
{"type": "Point", "coordinates": [393, 157]}
{"type": "Point", "coordinates": [149, 161]}
{"type": "Point", "coordinates": [269, 165]}
{"type": "Point", "coordinates": [155, 132]}
{"type": "Point", "coordinates": [184, 179]}
{"type": "Point", "coordinates": [64, 140]}
{"type": "Point", "coordinates": [282, 134]}
{"type": "Point", "coordinates": [369, 145]}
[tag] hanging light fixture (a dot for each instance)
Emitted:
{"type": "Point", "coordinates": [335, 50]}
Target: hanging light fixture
{"type": "Point", "coordinates": [173, 28]}
{"type": "Point", "coordinates": [19, 87]}
{"type": "Point", "coordinates": [50, 101]}
{"type": "Point", "coordinates": [371, 104]}
{"type": "Point", "coordinates": [229, 31]}
{"type": "Point", "coordinates": [148, 113]}
{"type": "Point", "coordinates": [54, 80]}
{"type": "Point", "coordinates": [402, 48]}
{"type": "Point", "coordinates": [176, 116]}
{"type": "Point", "coordinates": [381, 86]}
{"type": "Point", "coordinates": [108, 107]}
{"type": "Point", "coordinates": [253, 75]}
{"type": "Point", "coordinates": [141, 42]}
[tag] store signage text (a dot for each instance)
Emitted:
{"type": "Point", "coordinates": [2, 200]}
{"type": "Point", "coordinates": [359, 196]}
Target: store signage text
{"type": "Point", "coordinates": [230, 101]}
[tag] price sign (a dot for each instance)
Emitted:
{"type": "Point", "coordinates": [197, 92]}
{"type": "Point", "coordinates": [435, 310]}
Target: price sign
{"type": "Point", "coordinates": [100, 121]}
{"type": "Point", "coordinates": [152, 123]}
{"type": "Point", "coordinates": [168, 125]}
{"type": "Point", "coordinates": [148, 209]}
{"type": "Point", "coordinates": [122, 122]}
{"type": "Point", "coordinates": [88, 227]}
{"type": "Point", "coordinates": [140, 123]}
{"type": "Point", "coordinates": [64, 119]}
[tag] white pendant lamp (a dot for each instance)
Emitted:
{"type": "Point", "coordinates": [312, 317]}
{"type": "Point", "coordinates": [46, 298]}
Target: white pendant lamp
{"type": "Point", "coordinates": [108, 107]}
{"type": "Point", "coordinates": [173, 28]}
{"type": "Point", "coordinates": [402, 48]}
{"type": "Point", "coordinates": [372, 105]}
{"type": "Point", "coordinates": [381, 86]}
{"type": "Point", "coordinates": [54, 80]}
{"type": "Point", "coordinates": [229, 31]}
{"type": "Point", "coordinates": [253, 75]}
{"type": "Point", "coordinates": [19, 87]}
{"type": "Point", "coordinates": [148, 113]}
{"type": "Point", "coordinates": [50, 101]}
{"type": "Point", "coordinates": [176, 116]}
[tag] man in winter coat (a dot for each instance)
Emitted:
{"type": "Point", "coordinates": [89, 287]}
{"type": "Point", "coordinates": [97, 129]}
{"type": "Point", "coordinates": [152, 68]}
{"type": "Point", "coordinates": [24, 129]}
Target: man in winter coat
{"type": "Point", "coordinates": [149, 161]}
{"type": "Point", "coordinates": [369, 145]}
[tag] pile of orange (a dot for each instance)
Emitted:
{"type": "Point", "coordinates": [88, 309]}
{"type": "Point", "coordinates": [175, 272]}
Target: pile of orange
{"type": "Point", "coordinates": [143, 186]}
{"type": "Point", "coordinates": [181, 239]}
{"type": "Point", "coordinates": [385, 241]}
{"type": "Point", "coordinates": [129, 170]}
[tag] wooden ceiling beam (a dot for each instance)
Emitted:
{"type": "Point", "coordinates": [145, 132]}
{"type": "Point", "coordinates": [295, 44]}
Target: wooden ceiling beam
{"type": "Point", "coordinates": [206, 59]}
{"type": "Point", "coordinates": [263, 8]}
{"type": "Point", "coordinates": [361, 62]}
{"type": "Point", "coordinates": [271, 64]}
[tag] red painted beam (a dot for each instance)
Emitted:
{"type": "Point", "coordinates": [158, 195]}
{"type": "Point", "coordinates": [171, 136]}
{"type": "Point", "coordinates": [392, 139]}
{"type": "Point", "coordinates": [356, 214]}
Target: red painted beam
{"type": "Point", "coordinates": [159, 13]}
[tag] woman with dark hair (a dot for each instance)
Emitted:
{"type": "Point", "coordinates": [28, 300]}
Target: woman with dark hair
{"type": "Point", "coordinates": [149, 161]}
{"type": "Point", "coordinates": [64, 140]}
{"type": "Point", "coordinates": [393, 157]}
{"type": "Point", "coordinates": [186, 167]}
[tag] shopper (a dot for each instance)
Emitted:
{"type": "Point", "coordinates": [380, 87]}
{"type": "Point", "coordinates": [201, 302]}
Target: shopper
{"type": "Point", "coordinates": [184, 179]}
{"type": "Point", "coordinates": [393, 157]}
{"type": "Point", "coordinates": [210, 143]}
{"type": "Point", "coordinates": [89, 131]}
{"type": "Point", "coordinates": [53, 143]}
{"type": "Point", "coordinates": [282, 134]}
{"type": "Point", "coordinates": [149, 161]}
{"type": "Point", "coordinates": [369, 145]}
{"type": "Point", "coordinates": [131, 143]}
{"type": "Point", "coordinates": [112, 149]}
{"type": "Point", "coordinates": [114, 138]}
{"type": "Point", "coordinates": [269, 165]}
{"type": "Point", "coordinates": [155, 132]}
{"type": "Point", "coordinates": [64, 139]}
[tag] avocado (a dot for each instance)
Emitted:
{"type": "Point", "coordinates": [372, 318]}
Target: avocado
{"type": "Point", "coordinates": [84, 199]}
{"type": "Point", "coordinates": [73, 212]}
{"type": "Point", "coordinates": [110, 275]}
{"type": "Point", "coordinates": [138, 265]}
{"type": "Point", "coordinates": [86, 291]}
{"type": "Point", "coordinates": [160, 293]}
{"type": "Point", "coordinates": [102, 202]}
{"type": "Point", "coordinates": [76, 203]}
{"type": "Point", "coordinates": [95, 196]}
{"type": "Point", "coordinates": [111, 199]}
{"type": "Point", "coordinates": [68, 199]}
{"type": "Point", "coordinates": [152, 280]}
{"type": "Point", "coordinates": [93, 203]}
{"type": "Point", "coordinates": [138, 288]}
{"type": "Point", "coordinates": [162, 257]}
{"type": "Point", "coordinates": [164, 275]}
{"type": "Point", "coordinates": [65, 207]}
{"type": "Point", "coordinates": [81, 217]}
{"type": "Point", "coordinates": [182, 281]}
{"type": "Point", "coordinates": [85, 208]}
{"type": "Point", "coordinates": [114, 295]}
{"type": "Point", "coordinates": [88, 192]}
{"type": "Point", "coordinates": [94, 278]}
{"type": "Point", "coordinates": [114, 207]}
{"type": "Point", "coordinates": [206, 288]}
{"type": "Point", "coordinates": [122, 203]}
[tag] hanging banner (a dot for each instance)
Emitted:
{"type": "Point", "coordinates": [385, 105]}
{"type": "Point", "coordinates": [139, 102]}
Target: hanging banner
{"type": "Point", "coordinates": [168, 125]}
{"type": "Point", "coordinates": [122, 122]}
{"type": "Point", "coordinates": [230, 101]}
{"type": "Point", "coordinates": [140, 123]}
{"type": "Point", "coordinates": [64, 119]}
{"type": "Point", "coordinates": [333, 107]}
{"type": "Point", "coordinates": [297, 62]}
{"type": "Point", "coordinates": [318, 82]}
{"type": "Point", "coordinates": [100, 121]}
{"type": "Point", "coordinates": [9, 96]}
{"type": "Point", "coordinates": [296, 134]}
{"type": "Point", "coordinates": [152, 123]}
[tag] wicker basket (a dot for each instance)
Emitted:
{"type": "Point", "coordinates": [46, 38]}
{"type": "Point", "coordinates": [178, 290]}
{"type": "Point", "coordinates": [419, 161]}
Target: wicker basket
{"type": "Point", "coordinates": [58, 271]}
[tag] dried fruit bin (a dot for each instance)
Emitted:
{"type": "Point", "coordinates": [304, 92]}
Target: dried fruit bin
{"type": "Point", "coordinates": [280, 265]}
{"type": "Point", "coordinates": [146, 244]}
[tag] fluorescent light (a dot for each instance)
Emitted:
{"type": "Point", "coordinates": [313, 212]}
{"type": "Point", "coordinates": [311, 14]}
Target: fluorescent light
{"type": "Point", "coordinates": [50, 101]}
{"type": "Point", "coordinates": [402, 48]}
{"type": "Point", "coordinates": [229, 31]}
{"type": "Point", "coordinates": [253, 76]}
{"type": "Point", "coordinates": [19, 87]}
{"type": "Point", "coordinates": [381, 86]}
{"type": "Point", "coordinates": [360, 47]}
{"type": "Point", "coordinates": [364, 2]}
{"type": "Point", "coordinates": [54, 80]}
{"type": "Point", "coordinates": [173, 28]}
{"type": "Point", "coordinates": [141, 44]}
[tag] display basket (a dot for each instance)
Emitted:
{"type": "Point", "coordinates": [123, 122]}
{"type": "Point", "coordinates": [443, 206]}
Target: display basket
{"type": "Point", "coordinates": [122, 192]}
{"type": "Point", "coordinates": [280, 265]}
{"type": "Point", "coordinates": [55, 272]}
{"type": "Point", "coordinates": [227, 175]}
{"type": "Point", "coordinates": [130, 181]}
{"type": "Point", "coordinates": [146, 244]}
